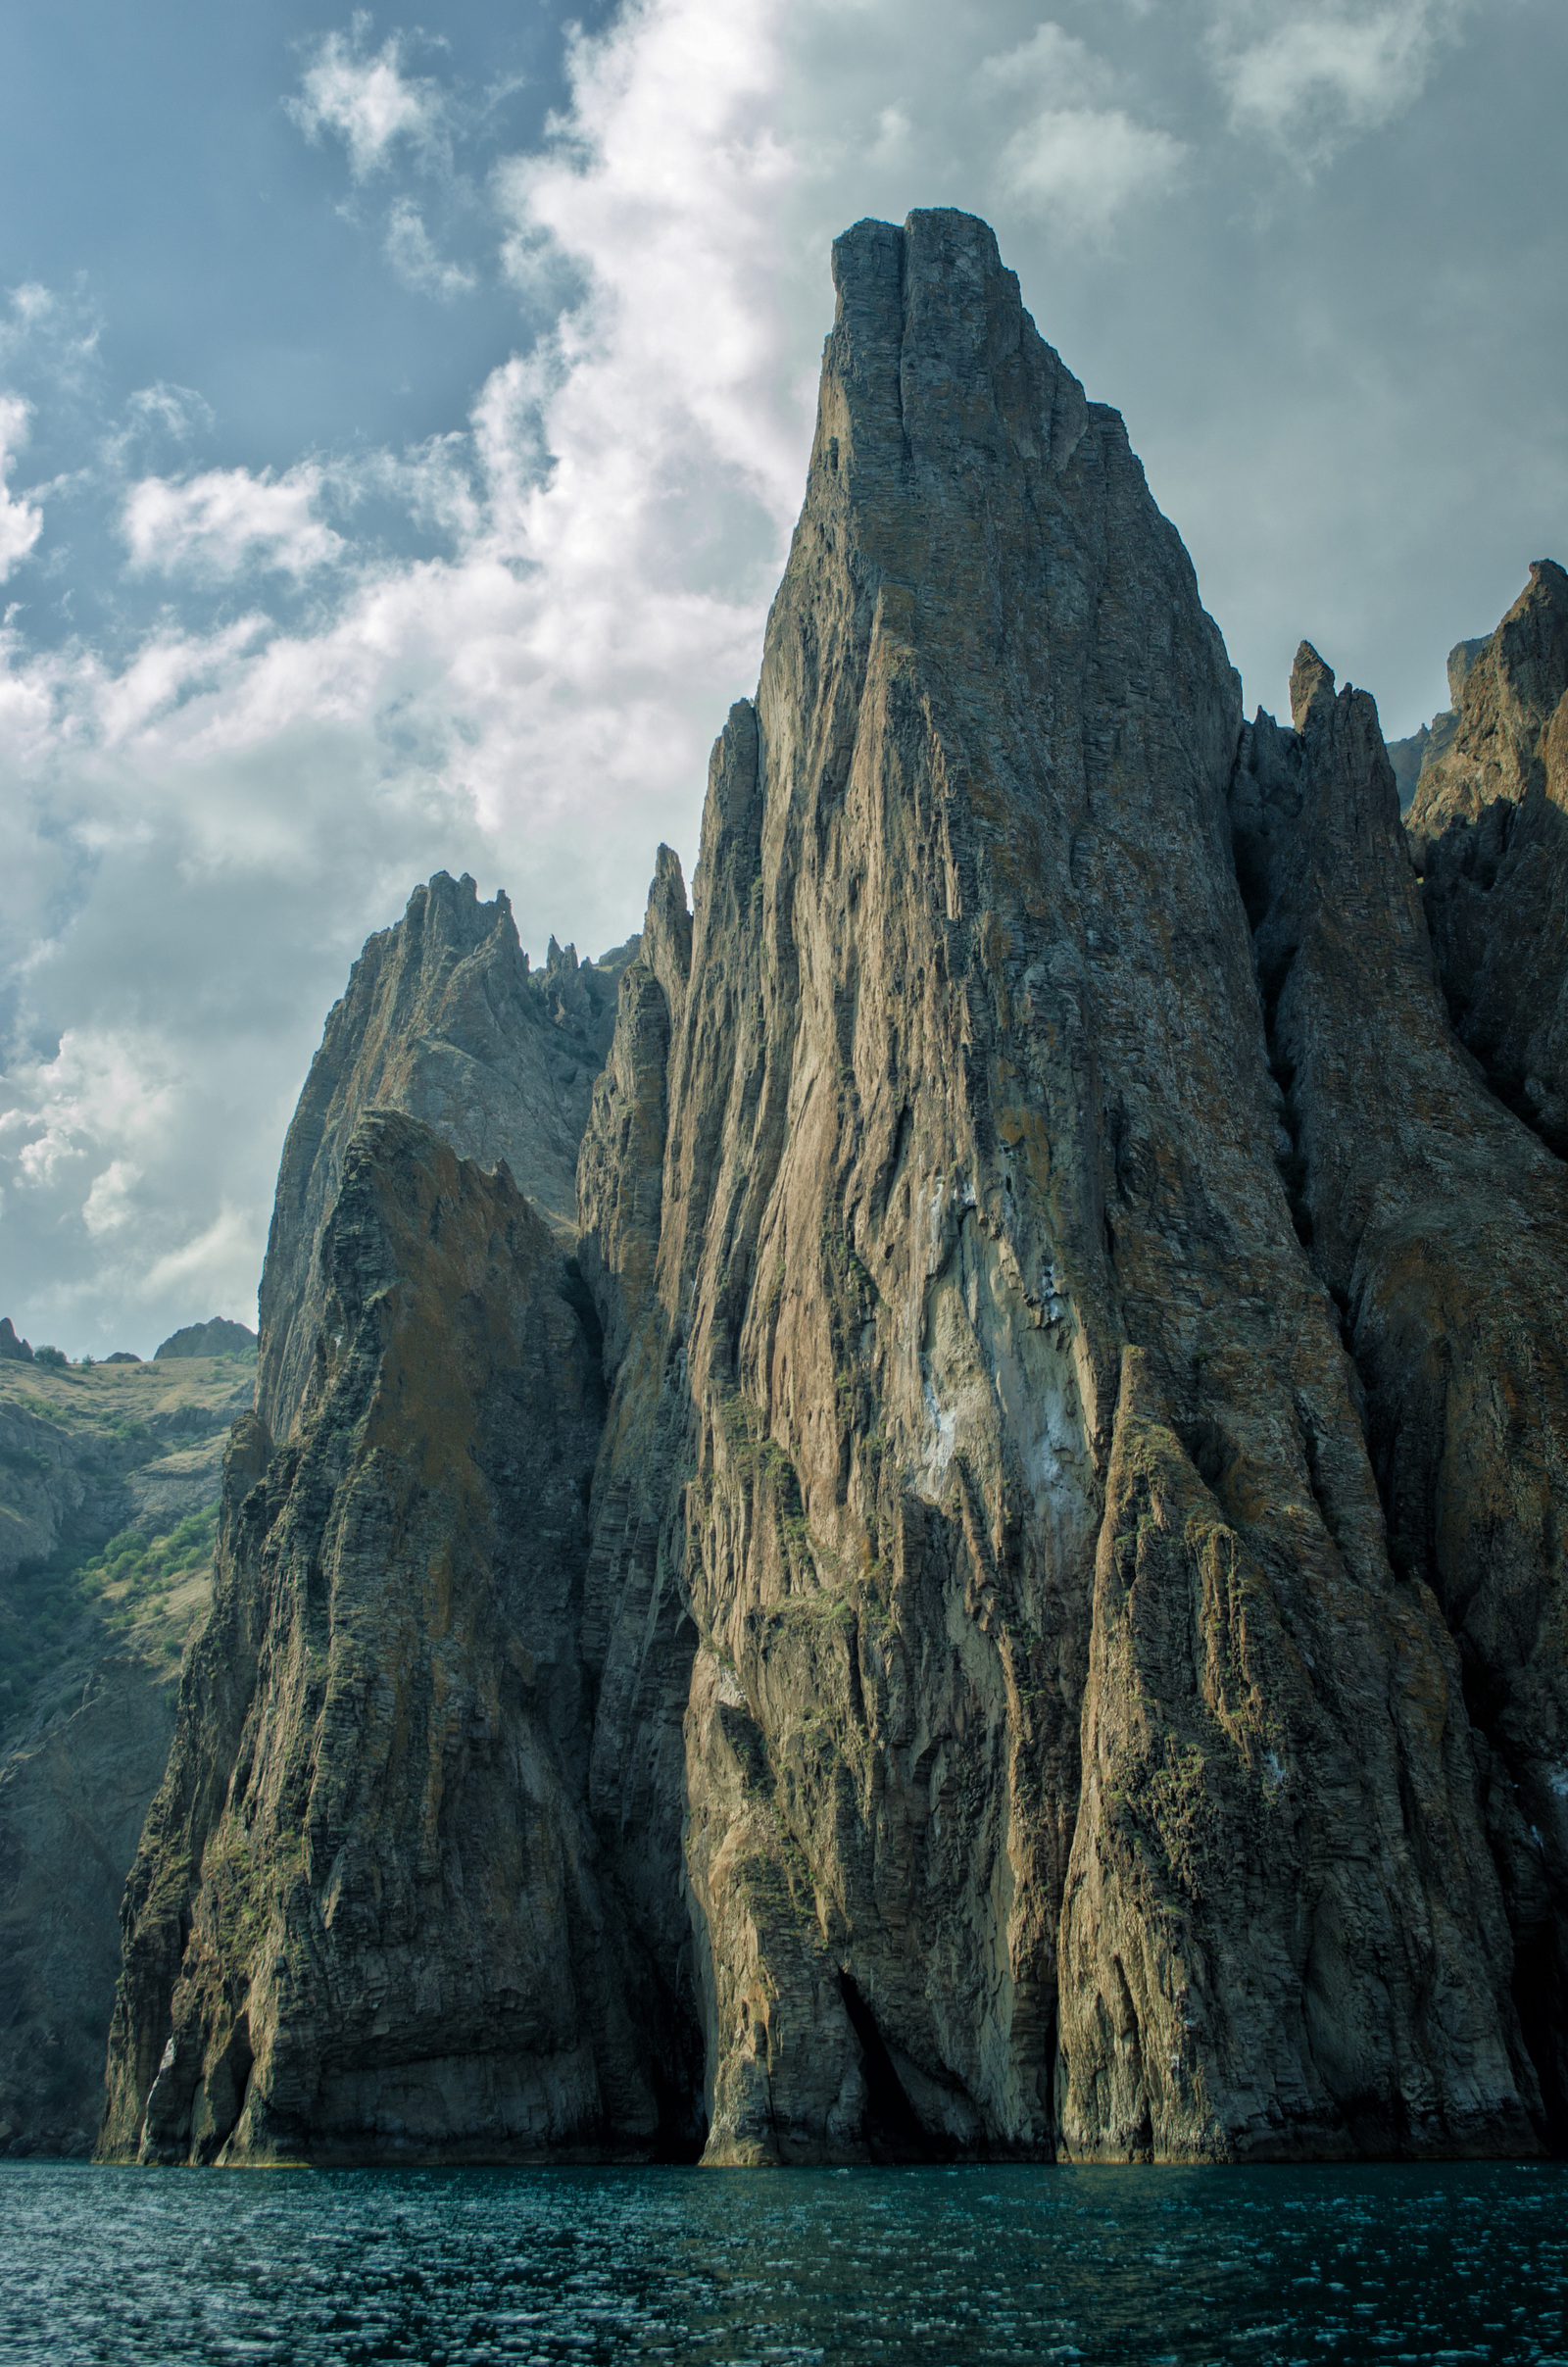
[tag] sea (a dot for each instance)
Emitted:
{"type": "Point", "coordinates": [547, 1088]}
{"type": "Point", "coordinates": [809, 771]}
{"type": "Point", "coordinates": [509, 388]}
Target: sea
{"type": "Point", "coordinates": [1271, 2267]}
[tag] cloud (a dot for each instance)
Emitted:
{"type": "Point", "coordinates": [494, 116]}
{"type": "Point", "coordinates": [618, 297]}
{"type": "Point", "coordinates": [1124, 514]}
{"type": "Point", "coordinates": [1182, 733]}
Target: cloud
{"type": "Point", "coordinates": [21, 521]}
{"type": "Point", "coordinates": [108, 1207]}
{"type": "Point", "coordinates": [1085, 164]}
{"type": "Point", "coordinates": [66, 1126]}
{"type": "Point", "coordinates": [227, 522]}
{"type": "Point", "coordinates": [368, 101]}
{"type": "Point", "coordinates": [1074, 156]}
{"type": "Point", "coordinates": [43, 329]}
{"type": "Point", "coordinates": [220, 819]}
{"type": "Point", "coordinates": [162, 411]}
{"type": "Point", "coordinates": [206, 823]}
{"type": "Point", "coordinates": [214, 1269]}
{"type": "Point", "coordinates": [1310, 77]}
{"type": "Point", "coordinates": [415, 260]}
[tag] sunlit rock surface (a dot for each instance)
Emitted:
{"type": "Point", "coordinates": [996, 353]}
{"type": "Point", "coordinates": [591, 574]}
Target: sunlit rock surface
{"type": "Point", "coordinates": [1044, 1542]}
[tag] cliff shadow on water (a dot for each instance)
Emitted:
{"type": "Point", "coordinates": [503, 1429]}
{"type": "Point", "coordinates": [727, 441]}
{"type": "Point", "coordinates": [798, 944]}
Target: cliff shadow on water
{"type": "Point", "coordinates": [996, 1595]}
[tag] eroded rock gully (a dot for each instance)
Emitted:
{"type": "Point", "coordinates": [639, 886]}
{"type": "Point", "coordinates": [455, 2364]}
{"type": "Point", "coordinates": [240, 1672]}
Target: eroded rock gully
{"type": "Point", "coordinates": [1004, 1599]}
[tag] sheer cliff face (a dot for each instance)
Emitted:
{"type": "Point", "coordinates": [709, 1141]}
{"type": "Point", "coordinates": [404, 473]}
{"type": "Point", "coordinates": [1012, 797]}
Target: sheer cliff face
{"type": "Point", "coordinates": [1065, 1762]}
{"type": "Point", "coordinates": [441, 1018]}
{"type": "Point", "coordinates": [1003, 1598]}
{"type": "Point", "coordinates": [1489, 827]}
{"type": "Point", "coordinates": [368, 1917]}
{"type": "Point", "coordinates": [1440, 1225]}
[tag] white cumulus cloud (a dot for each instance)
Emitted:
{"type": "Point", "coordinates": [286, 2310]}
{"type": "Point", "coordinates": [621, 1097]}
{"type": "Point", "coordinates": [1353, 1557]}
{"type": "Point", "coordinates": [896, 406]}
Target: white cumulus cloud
{"type": "Point", "coordinates": [21, 521]}
{"type": "Point", "coordinates": [108, 1207]}
{"type": "Point", "coordinates": [1075, 155]}
{"type": "Point", "coordinates": [368, 101]}
{"type": "Point", "coordinates": [413, 255]}
{"type": "Point", "coordinates": [1309, 76]}
{"type": "Point", "coordinates": [1086, 164]}
{"type": "Point", "coordinates": [228, 521]}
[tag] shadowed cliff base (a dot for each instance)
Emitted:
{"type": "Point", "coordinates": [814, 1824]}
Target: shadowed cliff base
{"type": "Point", "coordinates": [1000, 1597]}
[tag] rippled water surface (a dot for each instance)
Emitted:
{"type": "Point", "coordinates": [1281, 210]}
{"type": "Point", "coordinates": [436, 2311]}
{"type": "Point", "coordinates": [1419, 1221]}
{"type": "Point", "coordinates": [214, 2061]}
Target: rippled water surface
{"type": "Point", "coordinates": [1263, 2266]}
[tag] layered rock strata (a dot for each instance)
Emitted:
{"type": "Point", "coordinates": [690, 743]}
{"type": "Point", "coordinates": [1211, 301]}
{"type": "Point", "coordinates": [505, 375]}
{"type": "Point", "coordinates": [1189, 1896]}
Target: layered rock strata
{"type": "Point", "coordinates": [1052, 1620]}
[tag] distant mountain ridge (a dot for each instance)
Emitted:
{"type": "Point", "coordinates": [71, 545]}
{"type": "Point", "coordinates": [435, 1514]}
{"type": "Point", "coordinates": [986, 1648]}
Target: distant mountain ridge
{"type": "Point", "coordinates": [108, 1481]}
{"type": "Point", "coordinates": [218, 1336]}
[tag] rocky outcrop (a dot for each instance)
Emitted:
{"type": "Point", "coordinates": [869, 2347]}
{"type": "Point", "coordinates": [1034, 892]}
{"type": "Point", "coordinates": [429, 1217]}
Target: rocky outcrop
{"type": "Point", "coordinates": [442, 1019]}
{"type": "Point", "coordinates": [1439, 1226]}
{"type": "Point", "coordinates": [1488, 829]}
{"type": "Point", "coordinates": [1066, 1765]}
{"type": "Point", "coordinates": [13, 1350]}
{"type": "Point", "coordinates": [218, 1336]}
{"type": "Point", "coordinates": [1412, 757]}
{"type": "Point", "coordinates": [368, 1916]}
{"type": "Point", "coordinates": [1001, 1599]}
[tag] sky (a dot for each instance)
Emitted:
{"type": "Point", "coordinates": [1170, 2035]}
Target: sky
{"type": "Point", "coordinates": [402, 423]}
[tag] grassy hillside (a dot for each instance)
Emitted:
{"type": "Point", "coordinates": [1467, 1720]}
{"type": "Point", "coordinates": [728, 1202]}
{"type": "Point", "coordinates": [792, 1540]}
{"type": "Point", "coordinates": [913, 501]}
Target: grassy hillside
{"type": "Point", "coordinates": [109, 1484]}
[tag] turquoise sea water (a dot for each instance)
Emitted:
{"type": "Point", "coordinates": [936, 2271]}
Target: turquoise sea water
{"type": "Point", "coordinates": [971, 2265]}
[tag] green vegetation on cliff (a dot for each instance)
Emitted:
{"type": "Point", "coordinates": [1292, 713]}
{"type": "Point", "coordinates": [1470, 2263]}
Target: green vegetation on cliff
{"type": "Point", "coordinates": [108, 1479]}
{"type": "Point", "coordinates": [109, 1476]}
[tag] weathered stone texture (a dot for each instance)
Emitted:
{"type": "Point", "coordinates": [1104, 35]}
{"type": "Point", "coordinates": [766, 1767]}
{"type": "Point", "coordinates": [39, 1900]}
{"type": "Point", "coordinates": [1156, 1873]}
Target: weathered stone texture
{"type": "Point", "coordinates": [443, 1018]}
{"type": "Point", "coordinates": [968, 1102]}
{"type": "Point", "coordinates": [1440, 1225]}
{"type": "Point", "coordinates": [1006, 1598]}
{"type": "Point", "coordinates": [1488, 829]}
{"type": "Point", "coordinates": [368, 1916]}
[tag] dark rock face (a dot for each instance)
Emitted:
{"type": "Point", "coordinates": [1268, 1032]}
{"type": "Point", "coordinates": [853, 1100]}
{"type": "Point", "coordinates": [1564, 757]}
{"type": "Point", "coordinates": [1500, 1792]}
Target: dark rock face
{"type": "Point", "coordinates": [73, 1801]}
{"type": "Point", "coordinates": [1036, 1487]}
{"type": "Point", "coordinates": [441, 1018]}
{"type": "Point", "coordinates": [392, 1931]}
{"type": "Point", "coordinates": [218, 1336]}
{"type": "Point", "coordinates": [1488, 829]}
{"type": "Point", "coordinates": [1439, 1226]}
{"type": "Point", "coordinates": [13, 1350]}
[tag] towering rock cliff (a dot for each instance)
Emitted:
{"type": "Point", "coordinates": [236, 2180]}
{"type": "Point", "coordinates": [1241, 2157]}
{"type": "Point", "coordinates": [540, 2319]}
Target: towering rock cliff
{"type": "Point", "coordinates": [368, 1916]}
{"type": "Point", "coordinates": [1065, 1762]}
{"type": "Point", "coordinates": [444, 1019]}
{"type": "Point", "coordinates": [1043, 1543]}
